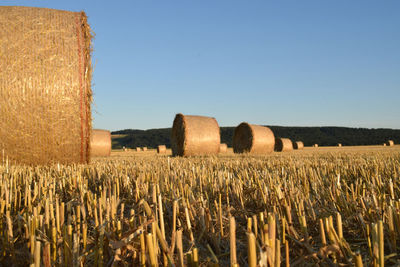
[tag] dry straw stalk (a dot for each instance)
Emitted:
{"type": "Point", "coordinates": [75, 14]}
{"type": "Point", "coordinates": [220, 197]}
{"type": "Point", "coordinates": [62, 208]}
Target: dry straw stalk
{"type": "Point", "coordinates": [45, 85]}
{"type": "Point", "coordinates": [194, 135]}
{"type": "Point", "coordinates": [249, 138]}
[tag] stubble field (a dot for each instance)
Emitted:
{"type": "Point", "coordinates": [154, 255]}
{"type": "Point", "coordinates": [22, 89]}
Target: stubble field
{"type": "Point", "coordinates": [317, 206]}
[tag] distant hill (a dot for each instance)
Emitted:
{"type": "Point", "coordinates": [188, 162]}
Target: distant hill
{"type": "Point", "coordinates": [324, 136]}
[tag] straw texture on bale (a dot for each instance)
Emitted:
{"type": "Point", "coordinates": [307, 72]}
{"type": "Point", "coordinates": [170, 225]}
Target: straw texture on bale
{"type": "Point", "coordinates": [390, 143]}
{"type": "Point", "coordinates": [256, 139]}
{"type": "Point", "coordinates": [100, 143]}
{"type": "Point", "coordinates": [194, 135]}
{"type": "Point", "coordinates": [298, 145]}
{"type": "Point", "coordinates": [223, 148]}
{"type": "Point", "coordinates": [283, 144]}
{"type": "Point", "coordinates": [45, 85]}
{"type": "Point", "coordinates": [161, 149]}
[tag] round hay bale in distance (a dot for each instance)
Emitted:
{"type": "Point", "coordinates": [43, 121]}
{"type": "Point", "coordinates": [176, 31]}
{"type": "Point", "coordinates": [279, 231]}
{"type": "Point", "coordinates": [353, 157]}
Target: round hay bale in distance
{"type": "Point", "coordinates": [194, 135]}
{"type": "Point", "coordinates": [161, 149]}
{"type": "Point", "coordinates": [283, 144]}
{"type": "Point", "coordinates": [339, 145]}
{"type": "Point", "coordinates": [250, 138]}
{"type": "Point", "coordinates": [298, 145]}
{"type": "Point", "coordinates": [138, 149]}
{"type": "Point", "coordinates": [100, 143]}
{"type": "Point", "coordinates": [315, 145]}
{"type": "Point", "coordinates": [390, 143]}
{"type": "Point", "coordinates": [223, 148]}
{"type": "Point", "coordinates": [45, 85]}
{"type": "Point", "coordinates": [144, 148]}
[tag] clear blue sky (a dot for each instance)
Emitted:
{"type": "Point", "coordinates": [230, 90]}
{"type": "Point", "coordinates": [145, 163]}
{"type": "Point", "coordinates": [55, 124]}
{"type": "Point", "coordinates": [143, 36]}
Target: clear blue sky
{"type": "Point", "coordinates": [297, 63]}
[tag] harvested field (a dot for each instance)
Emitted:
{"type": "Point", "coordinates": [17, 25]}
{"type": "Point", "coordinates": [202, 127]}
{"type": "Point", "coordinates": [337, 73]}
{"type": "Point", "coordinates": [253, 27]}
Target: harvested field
{"type": "Point", "coordinates": [308, 207]}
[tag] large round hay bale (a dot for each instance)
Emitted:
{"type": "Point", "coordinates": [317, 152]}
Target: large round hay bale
{"type": "Point", "coordinates": [45, 82]}
{"type": "Point", "coordinates": [315, 145]}
{"type": "Point", "coordinates": [339, 145]}
{"type": "Point", "coordinates": [223, 148]}
{"type": "Point", "coordinates": [256, 139]}
{"type": "Point", "coordinates": [161, 149]}
{"type": "Point", "coordinates": [298, 145]}
{"type": "Point", "coordinates": [194, 135]}
{"type": "Point", "coordinates": [138, 149]}
{"type": "Point", "coordinates": [390, 143]}
{"type": "Point", "coordinates": [283, 144]}
{"type": "Point", "coordinates": [100, 143]}
{"type": "Point", "coordinates": [144, 148]}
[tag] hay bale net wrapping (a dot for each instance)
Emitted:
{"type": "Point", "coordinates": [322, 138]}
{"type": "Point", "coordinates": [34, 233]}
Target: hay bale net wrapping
{"type": "Point", "coordinates": [194, 135]}
{"type": "Point", "coordinates": [161, 149]}
{"type": "Point", "coordinates": [298, 145]}
{"type": "Point", "coordinates": [283, 144]}
{"type": "Point", "coordinates": [249, 138]}
{"type": "Point", "coordinates": [45, 85]}
{"type": "Point", "coordinates": [100, 143]}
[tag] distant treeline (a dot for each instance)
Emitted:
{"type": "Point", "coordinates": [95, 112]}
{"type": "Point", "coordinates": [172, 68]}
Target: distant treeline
{"type": "Point", "coordinates": [323, 136]}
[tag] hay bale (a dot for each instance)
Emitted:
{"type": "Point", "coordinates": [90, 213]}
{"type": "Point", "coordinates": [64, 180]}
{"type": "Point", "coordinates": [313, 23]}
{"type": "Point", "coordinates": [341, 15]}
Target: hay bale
{"type": "Point", "coordinates": [138, 149]}
{"type": "Point", "coordinates": [144, 148]}
{"type": "Point", "coordinates": [223, 148]}
{"type": "Point", "coordinates": [256, 139]}
{"type": "Point", "coordinates": [45, 85]}
{"type": "Point", "coordinates": [194, 135]}
{"type": "Point", "coordinates": [298, 145]}
{"type": "Point", "coordinates": [339, 145]}
{"type": "Point", "coordinates": [161, 149]}
{"type": "Point", "coordinates": [384, 144]}
{"type": "Point", "coordinates": [283, 144]}
{"type": "Point", "coordinates": [390, 143]}
{"type": "Point", "coordinates": [100, 143]}
{"type": "Point", "coordinates": [315, 145]}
